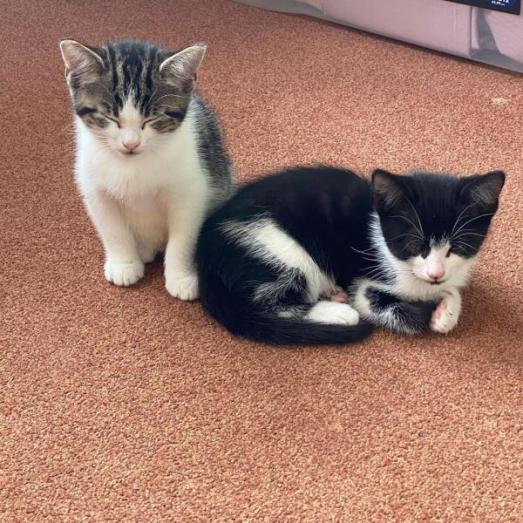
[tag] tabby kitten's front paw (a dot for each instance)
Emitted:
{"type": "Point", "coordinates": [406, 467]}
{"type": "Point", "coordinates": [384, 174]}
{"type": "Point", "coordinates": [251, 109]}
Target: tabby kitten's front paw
{"type": "Point", "coordinates": [446, 315]}
{"type": "Point", "coordinates": [123, 274]}
{"type": "Point", "coordinates": [182, 286]}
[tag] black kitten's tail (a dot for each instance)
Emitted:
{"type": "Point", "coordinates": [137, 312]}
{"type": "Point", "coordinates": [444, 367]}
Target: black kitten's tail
{"type": "Point", "coordinates": [286, 331]}
{"type": "Point", "coordinates": [242, 318]}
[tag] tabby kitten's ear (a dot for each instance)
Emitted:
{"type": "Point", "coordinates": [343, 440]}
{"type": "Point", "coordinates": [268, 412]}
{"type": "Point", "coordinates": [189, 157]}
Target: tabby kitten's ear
{"type": "Point", "coordinates": [179, 69]}
{"type": "Point", "coordinates": [483, 190]}
{"type": "Point", "coordinates": [388, 190]}
{"type": "Point", "coordinates": [82, 64]}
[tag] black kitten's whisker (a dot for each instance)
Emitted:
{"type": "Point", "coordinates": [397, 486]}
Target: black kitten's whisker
{"type": "Point", "coordinates": [370, 249]}
{"type": "Point", "coordinates": [474, 219]}
{"type": "Point", "coordinates": [469, 233]}
{"type": "Point", "coordinates": [417, 217]}
{"type": "Point", "coordinates": [408, 220]}
{"type": "Point", "coordinates": [464, 244]}
{"type": "Point", "coordinates": [371, 259]}
{"type": "Point", "coordinates": [375, 275]}
{"type": "Point", "coordinates": [456, 223]}
{"type": "Point", "coordinates": [404, 235]}
{"type": "Point", "coordinates": [379, 265]}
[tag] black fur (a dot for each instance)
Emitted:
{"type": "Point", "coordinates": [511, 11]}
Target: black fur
{"type": "Point", "coordinates": [234, 310]}
{"type": "Point", "coordinates": [413, 316]}
{"type": "Point", "coordinates": [328, 211]}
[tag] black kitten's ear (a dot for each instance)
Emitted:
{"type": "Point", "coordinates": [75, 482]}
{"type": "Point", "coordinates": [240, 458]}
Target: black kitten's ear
{"type": "Point", "coordinates": [180, 68]}
{"type": "Point", "coordinates": [484, 189]}
{"type": "Point", "coordinates": [81, 62]}
{"type": "Point", "coordinates": [388, 190]}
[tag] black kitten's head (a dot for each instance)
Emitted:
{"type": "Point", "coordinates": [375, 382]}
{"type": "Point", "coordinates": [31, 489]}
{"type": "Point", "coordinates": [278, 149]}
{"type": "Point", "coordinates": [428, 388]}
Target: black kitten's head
{"type": "Point", "coordinates": [434, 224]}
{"type": "Point", "coordinates": [129, 93]}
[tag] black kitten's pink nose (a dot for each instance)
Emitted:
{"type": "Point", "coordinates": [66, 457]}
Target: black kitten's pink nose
{"type": "Point", "coordinates": [436, 272]}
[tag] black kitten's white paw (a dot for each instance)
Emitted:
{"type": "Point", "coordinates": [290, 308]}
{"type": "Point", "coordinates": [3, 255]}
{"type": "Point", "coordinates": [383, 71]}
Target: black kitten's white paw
{"type": "Point", "coordinates": [333, 313]}
{"type": "Point", "coordinates": [446, 316]}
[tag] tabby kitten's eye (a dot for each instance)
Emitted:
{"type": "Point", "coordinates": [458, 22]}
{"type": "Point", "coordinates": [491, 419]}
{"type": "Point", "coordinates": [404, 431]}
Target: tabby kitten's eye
{"type": "Point", "coordinates": [175, 114]}
{"type": "Point", "coordinates": [111, 119]}
{"type": "Point", "coordinates": [148, 121]}
{"type": "Point", "coordinates": [82, 111]}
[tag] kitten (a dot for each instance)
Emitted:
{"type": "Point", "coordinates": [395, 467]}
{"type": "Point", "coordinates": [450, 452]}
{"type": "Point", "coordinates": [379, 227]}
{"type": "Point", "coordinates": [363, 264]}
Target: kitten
{"type": "Point", "coordinates": [318, 254]}
{"type": "Point", "coordinates": [150, 162]}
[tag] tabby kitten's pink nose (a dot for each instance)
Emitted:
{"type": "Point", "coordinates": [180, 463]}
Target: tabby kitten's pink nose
{"type": "Point", "coordinates": [131, 143]}
{"type": "Point", "coordinates": [130, 139]}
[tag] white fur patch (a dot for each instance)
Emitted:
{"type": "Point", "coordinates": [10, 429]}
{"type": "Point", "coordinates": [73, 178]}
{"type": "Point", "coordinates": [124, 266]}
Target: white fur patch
{"type": "Point", "coordinates": [266, 241]}
{"type": "Point", "coordinates": [333, 313]}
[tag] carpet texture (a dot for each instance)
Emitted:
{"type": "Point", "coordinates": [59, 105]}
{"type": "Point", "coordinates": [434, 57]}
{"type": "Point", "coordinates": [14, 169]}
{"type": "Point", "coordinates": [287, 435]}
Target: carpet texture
{"type": "Point", "coordinates": [126, 405]}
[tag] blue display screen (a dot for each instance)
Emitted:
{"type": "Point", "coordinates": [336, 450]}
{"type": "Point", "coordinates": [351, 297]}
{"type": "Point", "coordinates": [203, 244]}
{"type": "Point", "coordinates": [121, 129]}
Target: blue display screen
{"type": "Point", "coordinates": [507, 6]}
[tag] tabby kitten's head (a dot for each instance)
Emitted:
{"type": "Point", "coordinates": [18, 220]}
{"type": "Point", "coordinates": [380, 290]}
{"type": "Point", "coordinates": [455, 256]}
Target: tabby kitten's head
{"type": "Point", "coordinates": [434, 224]}
{"type": "Point", "coordinates": [129, 94]}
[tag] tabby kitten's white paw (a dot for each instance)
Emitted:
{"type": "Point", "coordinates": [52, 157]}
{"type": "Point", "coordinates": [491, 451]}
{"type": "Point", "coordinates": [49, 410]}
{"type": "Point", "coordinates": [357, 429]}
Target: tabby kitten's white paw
{"type": "Point", "coordinates": [123, 274]}
{"type": "Point", "coordinates": [183, 287]}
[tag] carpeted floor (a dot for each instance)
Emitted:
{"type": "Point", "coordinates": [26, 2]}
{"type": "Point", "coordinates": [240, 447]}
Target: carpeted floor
{"type": "Point", "coordinates": [125, 405]}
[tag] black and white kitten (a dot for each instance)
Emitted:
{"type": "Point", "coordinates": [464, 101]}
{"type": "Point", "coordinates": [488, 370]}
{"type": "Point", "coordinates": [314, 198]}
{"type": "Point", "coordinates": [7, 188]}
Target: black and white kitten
{"type": "Point", "coordinates": [150, 162]}
{"type": "Point", "coordinates": [318, 254]}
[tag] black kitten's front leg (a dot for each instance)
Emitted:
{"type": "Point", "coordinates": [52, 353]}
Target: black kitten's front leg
{"type": "Point", "coordinates": [387, 310]}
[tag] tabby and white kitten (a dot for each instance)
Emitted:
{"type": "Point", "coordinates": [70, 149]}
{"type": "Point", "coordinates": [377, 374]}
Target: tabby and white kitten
{"type": "Point", "coordinates": [318, 254]}
{"type": "Point", "coordinates": [150, 161]}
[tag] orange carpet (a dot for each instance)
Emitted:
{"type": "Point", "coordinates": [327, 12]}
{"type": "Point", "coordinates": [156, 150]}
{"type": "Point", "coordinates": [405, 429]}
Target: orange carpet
{"type": "Point", "coordinates": [126, 405]}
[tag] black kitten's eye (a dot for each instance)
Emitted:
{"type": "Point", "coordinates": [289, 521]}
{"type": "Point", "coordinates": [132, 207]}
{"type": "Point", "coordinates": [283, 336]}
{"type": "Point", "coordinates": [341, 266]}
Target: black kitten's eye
{"type": "Point", "coordinates": [455, 250]}
{"type": "Point", "coordinates": [177, 115]}
{"type": "Point", "coordinates": [425, 251]}
{"type": "Point", "coordinates": [460, 250]}
{"type": "Point", "coordinates": [416, 248]}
